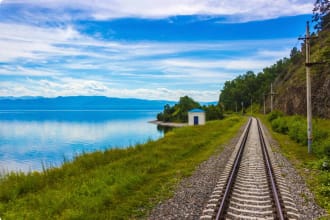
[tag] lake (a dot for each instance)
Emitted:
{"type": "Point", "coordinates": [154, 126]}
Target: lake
{"type": "Point", "coordinates": [31, 139]}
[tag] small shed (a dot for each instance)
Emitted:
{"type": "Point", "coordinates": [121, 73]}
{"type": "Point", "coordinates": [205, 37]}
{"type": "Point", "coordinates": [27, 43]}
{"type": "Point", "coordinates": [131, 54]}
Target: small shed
{"type": "Point", "coordinates": [196, 117]}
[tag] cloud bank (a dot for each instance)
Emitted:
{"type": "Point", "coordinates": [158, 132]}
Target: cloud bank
{"type": "Point", "coordinates": [238, 10]}
{"type": "Point", "coordinates": [57, 47]}
{"type": "Point", "coordinates": [61, 61]}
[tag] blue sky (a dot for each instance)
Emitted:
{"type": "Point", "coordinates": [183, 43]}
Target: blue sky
{"type": "Point", "coordinates": [151, 49]}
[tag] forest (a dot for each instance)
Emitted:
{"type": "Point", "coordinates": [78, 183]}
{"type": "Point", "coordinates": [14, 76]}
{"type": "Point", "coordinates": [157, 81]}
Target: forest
{"type": "Point", "coordinates": [238, 93]}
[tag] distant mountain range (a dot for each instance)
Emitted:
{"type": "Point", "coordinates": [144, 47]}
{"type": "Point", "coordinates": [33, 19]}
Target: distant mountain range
{"type": "Point", "coordinates": [80, 103]}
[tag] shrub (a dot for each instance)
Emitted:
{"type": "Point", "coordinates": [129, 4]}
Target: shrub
{"type": "Point", "coordinates": [298, 130]}
{"type": "Point", "coordinates": [213, 112]}
{"type": "Point", "coordinates": [280, 125]}
{"type": "Point", "coordinates": [274, 115]}
{"type": "Point", "coordinates": [325, 146]}
{"type": "Point", "coordinates": [319, 134]}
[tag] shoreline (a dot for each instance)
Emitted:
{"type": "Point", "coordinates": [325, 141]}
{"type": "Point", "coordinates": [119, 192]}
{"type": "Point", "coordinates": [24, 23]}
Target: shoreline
{"type": "Point", "coordinates": [168, 124]}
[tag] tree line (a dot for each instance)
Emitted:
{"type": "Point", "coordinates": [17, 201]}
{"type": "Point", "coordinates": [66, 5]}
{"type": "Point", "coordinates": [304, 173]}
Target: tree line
{"type": "Point", "coordinates": [239, 92]}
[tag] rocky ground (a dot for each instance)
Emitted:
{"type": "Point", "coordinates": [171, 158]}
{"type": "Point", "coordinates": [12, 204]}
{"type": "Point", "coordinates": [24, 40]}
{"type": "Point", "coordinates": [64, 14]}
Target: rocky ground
{"type": "Point", "coordinates": [193, 193]}
{"type": "Point", "coordinates": [302, 196]}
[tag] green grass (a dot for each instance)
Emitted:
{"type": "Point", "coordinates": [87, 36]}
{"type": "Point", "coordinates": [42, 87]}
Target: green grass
{"type": "Point", "coordinates": [308, 165]}
{"type": "Point", "coordinates": [115, 184]}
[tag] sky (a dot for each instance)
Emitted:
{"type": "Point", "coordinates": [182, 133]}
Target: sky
{"type": "Point", "coordinates": [149, 49]}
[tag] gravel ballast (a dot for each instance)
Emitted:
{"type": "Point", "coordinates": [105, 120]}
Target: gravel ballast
{"type": "Point", "coordinates": [193, 192]}
{"type": "Point", "coordinates": [303, 197]}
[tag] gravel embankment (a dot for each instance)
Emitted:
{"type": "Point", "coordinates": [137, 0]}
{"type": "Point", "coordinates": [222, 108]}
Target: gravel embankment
{"type": "Point", "coordinates": [302, 196]}
{"type": "Point", "coordinates": [193, 192]}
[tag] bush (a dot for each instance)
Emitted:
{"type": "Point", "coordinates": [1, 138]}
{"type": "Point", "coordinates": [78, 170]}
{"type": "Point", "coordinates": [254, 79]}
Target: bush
{"type": "Point", "coordinates": [325, 147]}
{"type": "Point", "coordinates": [274, 115]}
{"type": "Point", "coordinates": [280, 125]}
{"type": "Point", "coordinates": [318, 134]}
{"type": "Point", "coordinates": [213, 112]}
{"type": "Point", "coordinates": [298, 130]}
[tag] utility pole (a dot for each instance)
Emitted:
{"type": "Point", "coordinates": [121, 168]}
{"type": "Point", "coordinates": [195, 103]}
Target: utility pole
{"type": "Point", "coordinates": [242, 107]}
{"type": "Point", "coordinates": [308, 65]}
{"type": "Point", "coordinates": [264, 104]}
{"type": "Point", "coordinates": [308, 95]}
{"type": "Point", "coordinates": [271, 97]}
{"type": "Point", "coordinates": [251, 106]}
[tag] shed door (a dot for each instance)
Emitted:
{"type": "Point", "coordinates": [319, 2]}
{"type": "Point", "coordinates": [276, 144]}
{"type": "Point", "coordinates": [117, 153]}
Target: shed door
{"type": "Point", "coordinates": [195, 120]}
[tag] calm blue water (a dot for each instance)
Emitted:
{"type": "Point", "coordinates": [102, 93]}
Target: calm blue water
{"type": "Point", "coordinates": [29, 139]}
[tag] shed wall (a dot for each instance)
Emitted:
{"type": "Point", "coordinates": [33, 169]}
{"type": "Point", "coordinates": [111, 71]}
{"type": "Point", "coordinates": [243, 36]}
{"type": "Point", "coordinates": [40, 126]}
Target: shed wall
{"type": "Point", "coordinates": [200, 115]}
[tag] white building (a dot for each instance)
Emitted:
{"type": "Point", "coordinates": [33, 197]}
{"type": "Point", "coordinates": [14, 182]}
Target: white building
{"type": "Point", "coordinates": [196, 117]}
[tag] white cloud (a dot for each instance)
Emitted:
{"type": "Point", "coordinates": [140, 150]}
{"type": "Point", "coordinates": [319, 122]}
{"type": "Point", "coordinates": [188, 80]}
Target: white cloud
{"type": "Point", "coordinates": [71, 87]}
{"type": "Point", "coordinates": [239, 10]}
{"type": "Point", "coordinates": [9, 70]}
{"type": "Point", "coordinates": [30, 42]}
{"type": "Point", "coordinates": [231, 64]}
{"type": "Point", "coordinates": [60, 61]}
{"type": "Point", "coordinates": [45, 45]}
{"type": "Point", "coordinates": [274, 53]}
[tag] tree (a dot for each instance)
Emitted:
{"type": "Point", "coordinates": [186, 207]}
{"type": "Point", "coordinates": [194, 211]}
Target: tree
{"type": "Point", "coordinates": [179, 112]}
{"type": "Point", "coordinates": [321, 14]}
{"type": "Point", "coordinates": [185, 104]}
{"type": "Point", "coordinates": [166, 114]}
{"type": "Point", "coordinates": [240, 90]}
{"type": "Point", "coordinates": [251, 86]}
{"type": "Point", "coordinates": [213, 112]}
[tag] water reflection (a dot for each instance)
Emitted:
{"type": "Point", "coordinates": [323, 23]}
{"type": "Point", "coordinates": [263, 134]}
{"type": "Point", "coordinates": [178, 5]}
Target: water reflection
{"type": "Point", "coordinates": [30, 138]}
{"type": "Point", "coordinates": [164, 129]}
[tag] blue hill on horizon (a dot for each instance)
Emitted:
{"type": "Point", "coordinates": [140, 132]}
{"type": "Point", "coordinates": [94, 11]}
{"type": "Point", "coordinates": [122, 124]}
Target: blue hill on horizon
{"type": "Point", "coordinates": [80, 103]}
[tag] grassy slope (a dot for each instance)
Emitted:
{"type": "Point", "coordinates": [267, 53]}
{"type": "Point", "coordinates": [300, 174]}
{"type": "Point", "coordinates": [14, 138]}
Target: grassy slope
{"type": "Point", "coordinates": [116, 184]}
{"type": "Point", "coordinates": [308, 165]}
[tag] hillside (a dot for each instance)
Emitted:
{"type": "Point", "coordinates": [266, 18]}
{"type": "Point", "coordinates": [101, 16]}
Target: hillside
{"type": "Point", "coordinates": [290, 87]}
{"type": "Point", "coordinates": [80, 103]}
{"type": "Point", "coordinates": [288, 77]}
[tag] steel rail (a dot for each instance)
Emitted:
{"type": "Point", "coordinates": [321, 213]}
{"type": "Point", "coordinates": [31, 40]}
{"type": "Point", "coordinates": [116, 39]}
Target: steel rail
{"type": "Point", "coordinates": [270, 173]}
{"type": "Point", "coordinates": [233, 174]}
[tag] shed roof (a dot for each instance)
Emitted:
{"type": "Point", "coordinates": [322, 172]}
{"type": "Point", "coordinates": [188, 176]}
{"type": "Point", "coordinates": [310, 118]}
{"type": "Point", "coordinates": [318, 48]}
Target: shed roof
{"type": "Point", "coordinates": [196, 110]}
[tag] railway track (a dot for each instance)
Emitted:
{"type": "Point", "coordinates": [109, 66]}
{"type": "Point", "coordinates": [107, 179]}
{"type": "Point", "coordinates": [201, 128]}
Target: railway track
{"type": "Point", "coordinates": [251, 185]}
